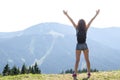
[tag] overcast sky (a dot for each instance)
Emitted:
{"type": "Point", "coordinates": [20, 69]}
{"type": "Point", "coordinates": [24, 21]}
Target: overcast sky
{"type": "Point", "coordinates": [17, 15]}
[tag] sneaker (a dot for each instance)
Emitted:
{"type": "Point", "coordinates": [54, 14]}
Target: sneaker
{"type": "Point", "coordinates": [88, 75]}
{"type": "Point", "coordinates": [74, 76]}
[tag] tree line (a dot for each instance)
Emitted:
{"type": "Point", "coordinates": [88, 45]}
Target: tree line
{"type": "Point", "coordinates": [24, 70]}
{"type": "Point", "coordinates": [34, 70]}
{"type": "Point", "coordinates": [79, 71]}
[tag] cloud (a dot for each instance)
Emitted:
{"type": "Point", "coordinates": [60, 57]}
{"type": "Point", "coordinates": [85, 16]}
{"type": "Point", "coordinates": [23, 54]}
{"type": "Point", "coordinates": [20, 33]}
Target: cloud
{"type": "Point", "coordinates": [10, 60]}
{"type": "Point", "coordinates": [23, 59]}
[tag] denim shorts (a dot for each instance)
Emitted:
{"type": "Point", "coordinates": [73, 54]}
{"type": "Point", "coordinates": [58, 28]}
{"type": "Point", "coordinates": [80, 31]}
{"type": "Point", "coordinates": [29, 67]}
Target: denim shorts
{"type": "Point", "coordinates": [81, 46]}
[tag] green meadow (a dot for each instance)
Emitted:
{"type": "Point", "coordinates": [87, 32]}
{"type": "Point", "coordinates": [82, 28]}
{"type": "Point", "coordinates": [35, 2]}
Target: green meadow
{"type": "Point", "coordinates": [102, 75]}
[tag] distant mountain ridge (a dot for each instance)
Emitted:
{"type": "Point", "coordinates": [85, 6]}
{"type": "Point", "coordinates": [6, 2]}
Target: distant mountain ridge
{"type": "Point", "coordinates": [52, 46]}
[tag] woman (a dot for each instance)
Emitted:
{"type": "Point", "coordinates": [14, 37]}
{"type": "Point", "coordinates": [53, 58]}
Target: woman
{"type": "Point", "coordinates": [81, 31]}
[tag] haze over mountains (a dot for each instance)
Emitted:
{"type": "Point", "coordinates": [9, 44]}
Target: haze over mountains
{"type": "Point", "coordinates": [52, 46]}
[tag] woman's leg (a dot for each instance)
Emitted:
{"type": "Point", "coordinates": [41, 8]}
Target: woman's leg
{"type": "Point", "coordinates": [86, 56]}
{"type": "Point", "coordinates": [78, 53]}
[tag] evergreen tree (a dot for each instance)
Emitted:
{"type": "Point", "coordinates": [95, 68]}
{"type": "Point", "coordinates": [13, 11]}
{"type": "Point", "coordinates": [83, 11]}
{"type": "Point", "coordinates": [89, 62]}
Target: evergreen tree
{"type": "Point", "coordinates": [6, 70]}
{"type": "Point", "coordinates": [84, 70]}
{"type": "Point", "coordinates": [18, 70]}
{"type": "Point", "coordinates": [33, 71]}
{"type": "Point", "coordinates": [14, 70]}
{"type": "Point", "coordinates": [79, 71]}
{"type": "Point", "coordinates": [36, 69]}
{"type": "Point", "coordinates": [67, 71]}
{"type": "Point", "coordinates": [71, 71]}
{"type": "Point", "coordinates": [30, 69]}
{"type": "Point", "coordinates": [62, 72]}
{"type": "Point", "coordinates": [24, 69]}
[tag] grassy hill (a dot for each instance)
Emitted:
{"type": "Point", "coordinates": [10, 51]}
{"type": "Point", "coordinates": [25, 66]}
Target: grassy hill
{"type": "Point", "coordinates": [110, 75]}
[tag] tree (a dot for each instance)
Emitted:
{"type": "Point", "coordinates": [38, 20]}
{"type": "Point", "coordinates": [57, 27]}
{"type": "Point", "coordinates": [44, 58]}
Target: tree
{"type": "Point", "coordinates": [14, 71]}
{"type": "Point", "coordinates": [29, 69]}
{"type": "Point", "coordinates": [32, 71]}
{"type": "Point", "coordinates": [79, 71]}
{"type": "Point", "coordinates": [84, 70]}
{"type": "Point", "coordinates": [62, 72]}
{"type": "Point", "coordinates": [18, 70]}
{"type": "Point", "coordinates": [69, 71]}
{"type": "Point", "coordinates": [36, 69]}
{"type": "Point", "coordinates": [6, 70]}
{"type": "Point", "coordinates": [24, 69]}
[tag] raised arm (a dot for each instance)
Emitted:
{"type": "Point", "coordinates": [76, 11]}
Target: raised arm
{"type": "Point", "coordinates": [88, 25]}
{"type": "Point", "coordinates": [65, 12]}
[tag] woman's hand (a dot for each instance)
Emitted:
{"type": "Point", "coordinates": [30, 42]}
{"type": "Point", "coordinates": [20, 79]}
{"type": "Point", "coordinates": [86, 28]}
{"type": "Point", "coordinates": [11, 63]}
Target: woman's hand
{"type": "Point", "coordinates": [97, 11]}
{"type": "Point", "coordinates": [65, 12]}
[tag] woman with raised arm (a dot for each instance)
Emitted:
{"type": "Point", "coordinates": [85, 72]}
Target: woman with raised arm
{"type": "Point", "coordinates": [81, 31]}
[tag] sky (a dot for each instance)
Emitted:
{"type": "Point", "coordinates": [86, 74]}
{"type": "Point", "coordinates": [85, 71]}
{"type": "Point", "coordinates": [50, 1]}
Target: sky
{"type": "Point", "coordinates": [18, 15]}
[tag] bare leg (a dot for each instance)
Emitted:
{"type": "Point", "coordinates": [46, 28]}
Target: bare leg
{"type": "Point", "coordinates": [86, 56]}
{"type": "Point", "coordinates": [78, 53]}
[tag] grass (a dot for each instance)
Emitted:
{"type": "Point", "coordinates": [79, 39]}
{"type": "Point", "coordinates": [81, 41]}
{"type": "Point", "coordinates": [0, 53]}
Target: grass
{"type": "Point", "coordinates": [109, 75]}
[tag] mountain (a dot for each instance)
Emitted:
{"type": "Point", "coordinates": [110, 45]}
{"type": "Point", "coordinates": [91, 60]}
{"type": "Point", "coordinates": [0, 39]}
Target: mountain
{"type": "Point", "coordinates": [107, 36]}
{"type": "Point", "coordinates": [52, 46]}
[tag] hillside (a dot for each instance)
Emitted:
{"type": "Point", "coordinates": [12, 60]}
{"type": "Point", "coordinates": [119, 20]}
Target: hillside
{"type": "Point", "coordinates": [111, 75]}
{"type": "Point", "coordinates": [53, 45]}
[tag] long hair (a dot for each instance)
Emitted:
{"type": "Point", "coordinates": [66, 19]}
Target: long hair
{"type": "Point", "coordinates": [81, 34]}
{"type": "Point", "coordinates": [81, 25]}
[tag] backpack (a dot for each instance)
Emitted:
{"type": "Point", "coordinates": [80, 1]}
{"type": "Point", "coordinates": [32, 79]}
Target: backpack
{"type": "Point", "coordinates": [81, 36]}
